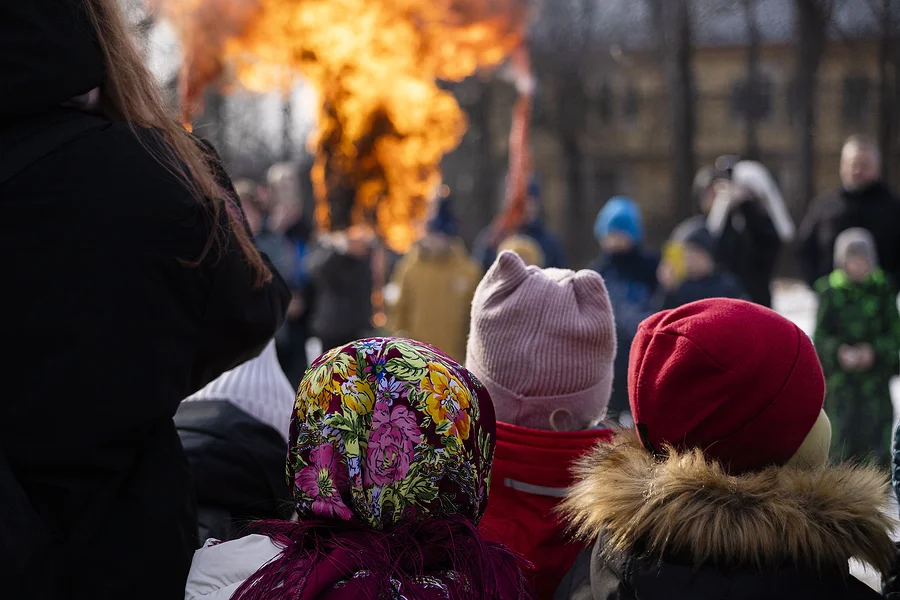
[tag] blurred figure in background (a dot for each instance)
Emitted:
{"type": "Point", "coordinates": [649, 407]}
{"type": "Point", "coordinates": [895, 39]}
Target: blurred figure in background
{"type": "Point", "coordinates": [630, 275]}
{"type": "Point", "coordinates": [748, 220]}
{"type": "Point", "coordinates": [234, 432]}
{"type": "Point", "coordinates": [434, 284]}
{"type": "Point", "coordinates": [543, 342]}
{"type": "Point", "coordinates": [858, 340]}
{"type": "Point", "coordinates": [688, 271]}
{"type": "Point", "coordinates": [528, 250]}
{"type": "Point", "coordinates": [339, 265]}
{"type": "Point", "coordinates": [287, 225]}
{"type": "Point", "coordinates": [863, 200]}
{"type": "Point", "coordinates": [487, 244]}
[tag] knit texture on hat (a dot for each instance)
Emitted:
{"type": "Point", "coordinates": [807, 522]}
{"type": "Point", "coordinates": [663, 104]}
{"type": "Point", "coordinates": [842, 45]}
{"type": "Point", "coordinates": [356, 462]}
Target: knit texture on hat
{"type": "Point", "coordinates": [543, 342]}
{"type": "Point", "coordinates": [259, 388]}
{"type": "Point", "coordinates": [734, 379]}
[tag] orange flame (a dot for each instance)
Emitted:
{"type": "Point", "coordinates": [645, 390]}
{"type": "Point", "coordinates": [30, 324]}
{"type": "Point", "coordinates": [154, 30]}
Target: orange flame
{"type": "Point", "coordinates": [384, 124]}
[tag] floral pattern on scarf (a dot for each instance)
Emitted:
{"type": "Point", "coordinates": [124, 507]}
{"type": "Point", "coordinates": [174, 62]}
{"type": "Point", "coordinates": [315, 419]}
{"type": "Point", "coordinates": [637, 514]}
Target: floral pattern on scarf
{"type": "Point", "coordinates": [387, 431]}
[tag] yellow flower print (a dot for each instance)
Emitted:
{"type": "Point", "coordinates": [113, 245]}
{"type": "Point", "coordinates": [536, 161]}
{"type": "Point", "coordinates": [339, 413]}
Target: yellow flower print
{"type": "Point", "coordinates": [358, 395]}
{"type": "Point", "coordinates": [319, 384]}
{"type": "Point", "coordinates": [447, 400]}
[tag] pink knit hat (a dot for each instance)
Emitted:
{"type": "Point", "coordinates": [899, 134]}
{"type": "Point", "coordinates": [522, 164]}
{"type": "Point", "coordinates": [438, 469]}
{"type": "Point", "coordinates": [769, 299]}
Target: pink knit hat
{"type": "Point", "coordinates": [543, 342]}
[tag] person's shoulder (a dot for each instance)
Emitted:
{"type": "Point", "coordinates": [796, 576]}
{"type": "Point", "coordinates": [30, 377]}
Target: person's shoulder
{"type": "Point", "coordinates": [219, 568]}
{"type": "Point", "coordinates": [882, 283]}
{"type": "Point", "coordinates": [823, 286]}
{"type": "Point", "coordinates": [825, 201]}
{"type": "Point", "coordinates": [125, 164]}
{"type": "Point", "coordinates": [731, 285]}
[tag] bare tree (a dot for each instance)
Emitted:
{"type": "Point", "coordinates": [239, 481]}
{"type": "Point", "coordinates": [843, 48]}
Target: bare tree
{"type": "Point", "coordinates": [672, 18]}
{"type": "Point", "coordinates": [813, 18]}
{"type": "Point", "coordinates": [887, 14]}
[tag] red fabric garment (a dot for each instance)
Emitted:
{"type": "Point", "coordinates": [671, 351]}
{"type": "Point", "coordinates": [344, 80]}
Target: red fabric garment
{"type": "Point", "coordinates": [532, 470]}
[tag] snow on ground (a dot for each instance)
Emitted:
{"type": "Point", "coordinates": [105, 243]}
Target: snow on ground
{"type": "Point", "coordinates": [799, 304]}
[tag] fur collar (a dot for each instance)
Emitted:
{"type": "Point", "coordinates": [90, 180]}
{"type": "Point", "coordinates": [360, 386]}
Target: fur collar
{"type": "Point", "coordinates": [683, 503]}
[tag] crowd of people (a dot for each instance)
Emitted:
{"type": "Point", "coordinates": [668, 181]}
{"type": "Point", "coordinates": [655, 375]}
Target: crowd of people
{"type": "Point", "coordinates": [643, 428]}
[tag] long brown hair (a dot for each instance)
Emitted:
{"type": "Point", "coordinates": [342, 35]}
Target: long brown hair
{"type": "Point", "coordinates": [130, 93]}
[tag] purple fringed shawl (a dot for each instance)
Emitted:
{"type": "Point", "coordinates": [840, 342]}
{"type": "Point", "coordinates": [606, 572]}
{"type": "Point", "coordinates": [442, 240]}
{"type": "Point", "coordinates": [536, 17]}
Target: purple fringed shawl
{"type": "Point", "coordinates": [391, 449]}
{"type": "Point", "coordinates": [444, 560]}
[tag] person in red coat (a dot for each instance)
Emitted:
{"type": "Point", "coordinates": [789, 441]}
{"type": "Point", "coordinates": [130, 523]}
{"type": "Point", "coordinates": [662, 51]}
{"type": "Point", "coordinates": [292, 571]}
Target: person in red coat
{"type": "Point", "coordinates": [543, 342]}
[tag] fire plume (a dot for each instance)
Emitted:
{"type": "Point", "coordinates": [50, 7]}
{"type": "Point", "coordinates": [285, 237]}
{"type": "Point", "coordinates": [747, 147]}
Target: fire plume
{"type": "Point", "coordinates": [384, 123]}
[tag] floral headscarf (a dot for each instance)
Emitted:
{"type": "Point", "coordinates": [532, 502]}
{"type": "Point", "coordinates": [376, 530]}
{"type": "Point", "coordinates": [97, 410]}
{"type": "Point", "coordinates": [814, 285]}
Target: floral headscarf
{"type": "Point", "coordinates": [390, 460]}
{"type": "Point", "coordinates": [387, 431]}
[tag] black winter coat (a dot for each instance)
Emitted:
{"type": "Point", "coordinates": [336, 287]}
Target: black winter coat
{"type": "Point", "coordinates": [342, 309]}
{"type": "Point", "coordinates": [748, 248]}
{"type": "Point", "coordinates": [106, 327]}
{"type": "Point", "coordinates": [109, 329]}
{"type": "Point", "coordinates": [875, 209]}
{"type": "Point", "coordinates": [715, 285]}
{"type": "Point", "coordinates": [678, 527]}
{"type": "Point", "coordinates": [632, 285]}
{"type": "Point", "coordinates": [238, 466]}
{"type": "Point", "coordinates": [633, 577]}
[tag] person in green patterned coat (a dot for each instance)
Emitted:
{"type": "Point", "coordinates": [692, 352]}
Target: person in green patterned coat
{"type": "Point", "coordinates": [858, 340]}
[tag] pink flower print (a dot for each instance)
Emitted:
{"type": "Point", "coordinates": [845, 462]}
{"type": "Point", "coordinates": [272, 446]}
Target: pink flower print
{"type": "Point", "coordinates": [322, 481]}
{"type": "Point", "coordinates": [392, 443]}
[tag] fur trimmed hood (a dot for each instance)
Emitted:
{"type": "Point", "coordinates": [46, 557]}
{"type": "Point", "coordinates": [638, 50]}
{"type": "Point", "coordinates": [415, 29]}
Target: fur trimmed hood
{"type": "Point", "coordinates": [682, 503]}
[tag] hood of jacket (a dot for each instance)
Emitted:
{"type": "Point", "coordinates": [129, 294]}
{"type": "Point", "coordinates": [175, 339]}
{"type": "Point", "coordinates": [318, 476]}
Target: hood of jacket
{"type": "Point", "coordinates": [683, 504]}
{"type": "Point", "coordinates": [48, 55]}
{"type": "Point", "coordinates": [455, 252]}
{"type": "Point", "coordinates": [237, 461]}
{"type": "Point", "coordinates": [620, 214]}
{"type": "Point", "coordinates": [531, 476]}
{"type": "Point", "coordinates": [855, 241]}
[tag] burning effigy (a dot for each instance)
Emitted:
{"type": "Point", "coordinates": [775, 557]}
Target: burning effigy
{"type": "Point", "coordinates": [384, 123]}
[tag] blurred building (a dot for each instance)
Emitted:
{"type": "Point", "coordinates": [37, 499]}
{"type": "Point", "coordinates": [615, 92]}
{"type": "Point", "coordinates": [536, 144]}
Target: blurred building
{"type": "Point", "coordinates": [601, 123]}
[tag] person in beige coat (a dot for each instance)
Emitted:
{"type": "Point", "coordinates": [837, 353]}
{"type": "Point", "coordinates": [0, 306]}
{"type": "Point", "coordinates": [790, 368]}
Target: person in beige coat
{"type": "Point", "coordinates": [433, 288]}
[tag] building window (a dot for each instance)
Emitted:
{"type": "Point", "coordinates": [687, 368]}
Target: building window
{"type": "Point", "coordinates": [752, 100]}
{"type": "Point", "coordinates": [631, 105]}
{"type": "Point", "coordinates": [855, 103]}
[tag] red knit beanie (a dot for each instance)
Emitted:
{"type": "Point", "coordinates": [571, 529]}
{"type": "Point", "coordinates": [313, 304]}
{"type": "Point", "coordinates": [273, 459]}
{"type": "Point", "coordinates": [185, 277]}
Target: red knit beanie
{"type": "Point", "coordinates": [731, 378]}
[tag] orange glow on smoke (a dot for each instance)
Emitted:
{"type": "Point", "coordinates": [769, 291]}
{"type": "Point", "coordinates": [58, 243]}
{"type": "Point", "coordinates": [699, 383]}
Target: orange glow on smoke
{"type": "Point", "coordinates": [383, 123]}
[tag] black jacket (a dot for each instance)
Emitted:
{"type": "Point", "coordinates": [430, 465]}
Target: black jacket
{"type": "Point", "coordinates": [875, 209]}
{"type": "Point", "coordinates": [106, 326]}
{"type": "Point", "coordinates": [715, 285]}
{"type": "Point", "coordinates": [342, 309]}
{"type": "Point", "coordinates": [748, 247]}
{"type": "Point", "coordinates": [677, 527]}
{"type": "Point", "coordinates": [628, 576]}
{"type": "Point", "coordinates": [238, 466]}
{"type": "Point", "coordinates": [632, 285]}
